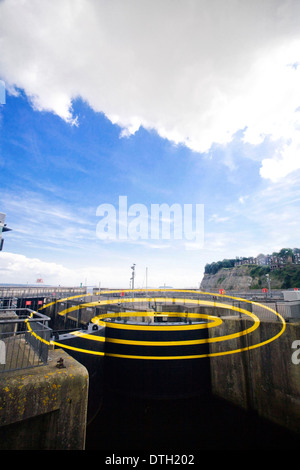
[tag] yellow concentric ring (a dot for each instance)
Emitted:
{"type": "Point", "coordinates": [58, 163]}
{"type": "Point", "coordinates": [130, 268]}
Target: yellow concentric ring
{"type": "Point", "coordinates": [215, 321]}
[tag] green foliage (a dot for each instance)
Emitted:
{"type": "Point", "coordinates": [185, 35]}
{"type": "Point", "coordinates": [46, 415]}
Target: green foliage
{"type": "Point", "coordinates": [286, 277]}
{"type": "Point", "coordinates": [213, 268]}
{"type": "Point", "coordinates": [286, 252]}
{"type": "Point", "coordinates": [258, 271]}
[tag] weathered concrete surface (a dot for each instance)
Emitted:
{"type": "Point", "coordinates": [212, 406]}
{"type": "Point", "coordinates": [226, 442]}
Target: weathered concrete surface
{"type": "Point", "coordinates": [44, 408]}
{"type": "Point", "coordinates": [262, 379]}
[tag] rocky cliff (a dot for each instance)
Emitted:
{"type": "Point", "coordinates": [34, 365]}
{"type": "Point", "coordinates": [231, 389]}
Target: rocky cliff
{"type": "Point", "coordinates": [247, 277]}
{"type": "Point", "coordinates": [237, 278]}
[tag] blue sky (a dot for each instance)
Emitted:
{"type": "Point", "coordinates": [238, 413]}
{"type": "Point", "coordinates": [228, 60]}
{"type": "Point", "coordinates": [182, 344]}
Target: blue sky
{"type": "Point", "coordinates": [191, 128]}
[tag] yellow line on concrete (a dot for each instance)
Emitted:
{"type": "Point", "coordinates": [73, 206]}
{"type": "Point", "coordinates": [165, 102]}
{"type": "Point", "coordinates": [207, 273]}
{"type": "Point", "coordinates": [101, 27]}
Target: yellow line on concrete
{"type": "Point", "coordinates": [81, 334]}
{"type": "Point", "coordinates": [65, 299]}
{"type": "Point", "coordinates": [87, 351]}
{"type": "Point", "coordinates": [180, 300]}
{"type": "Point", "coordinates": [183, 327]}
{"type": "Point", "coordinates": [214, 321]}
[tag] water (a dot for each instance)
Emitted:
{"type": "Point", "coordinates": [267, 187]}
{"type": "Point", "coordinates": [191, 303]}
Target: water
{"type": "Point", "coordinates": [126, 424]}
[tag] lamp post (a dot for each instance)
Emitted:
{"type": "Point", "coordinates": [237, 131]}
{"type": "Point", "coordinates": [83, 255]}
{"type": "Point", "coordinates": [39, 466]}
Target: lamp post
{"type": "Point", "coordinates": [132, 276]}
{"type": "Point", "coordinates": [269, 284]}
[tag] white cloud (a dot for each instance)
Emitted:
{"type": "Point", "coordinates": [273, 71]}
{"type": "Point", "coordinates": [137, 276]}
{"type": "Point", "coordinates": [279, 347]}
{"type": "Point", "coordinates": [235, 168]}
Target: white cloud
{"type": "Point", "coordinates": [195, 71]}
{"type": "Point", "coordinates": [34, 217]}
{"type": "Point", "coordinates": [269, 218]}
{"type": "Point", "coordinates": [16, 268]}
{"type": "Point", "coordinates": [284, 162]}
{"type": "Point", "coordinates": [242, 199]}
{"type": "Point", "coordinates": [20, 269]}
{"type": "Point", "coordinates": [217, 219]}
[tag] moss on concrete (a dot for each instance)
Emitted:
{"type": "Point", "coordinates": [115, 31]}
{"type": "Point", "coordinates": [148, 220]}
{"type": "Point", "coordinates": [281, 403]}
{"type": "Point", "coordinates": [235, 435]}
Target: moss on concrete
{"type": "Point", "coordinates": [54, 397]}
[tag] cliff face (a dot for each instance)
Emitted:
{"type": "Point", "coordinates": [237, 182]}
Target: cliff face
{"type": "Point", "coordinates": [237, 278]}
{"type": "Point", "coordinates": [247, 277]}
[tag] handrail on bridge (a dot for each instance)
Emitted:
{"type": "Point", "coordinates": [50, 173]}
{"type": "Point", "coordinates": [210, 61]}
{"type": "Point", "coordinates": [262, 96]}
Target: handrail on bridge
{"type": "Point", "coordinates": [21, 331]}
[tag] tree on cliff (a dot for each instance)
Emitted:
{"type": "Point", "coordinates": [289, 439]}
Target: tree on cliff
{"type": "Point", "coordinates": [213, 268]}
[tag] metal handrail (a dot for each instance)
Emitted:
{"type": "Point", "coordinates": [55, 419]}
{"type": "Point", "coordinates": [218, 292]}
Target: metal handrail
{"type": "Point", "coordinates": [40, 315]}
{"type": "Point", "coordinates": [24, 340]}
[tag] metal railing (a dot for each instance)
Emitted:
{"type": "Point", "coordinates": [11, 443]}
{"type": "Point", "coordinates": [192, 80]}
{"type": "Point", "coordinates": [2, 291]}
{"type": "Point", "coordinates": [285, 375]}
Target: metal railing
{"type": "Point", "coordinates": [24, 292]}
{"type": "Point", "coordinates": [11, 302]}
{"type": "Point", "coordinates": [24, 339]}
{"type": "Point", "coordinates": [258, 304]}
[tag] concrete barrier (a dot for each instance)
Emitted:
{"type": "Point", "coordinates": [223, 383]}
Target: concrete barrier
{"type": "Point", "coordinates": [266, 379]}
{"type": "Point", "coordinates": [44, 408]}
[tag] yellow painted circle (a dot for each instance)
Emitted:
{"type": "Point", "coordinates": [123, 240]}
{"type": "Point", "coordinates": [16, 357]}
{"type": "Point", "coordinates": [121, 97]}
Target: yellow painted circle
{"type": "Point", "coordinates": [214, 322]}
{"type": "Point", "coordinates": [102, 319]}
{"type": "Point", "coordinates": [182, 327]}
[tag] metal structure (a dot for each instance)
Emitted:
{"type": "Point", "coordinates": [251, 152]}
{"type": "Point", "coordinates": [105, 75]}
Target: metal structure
{"type": "Point", "coordinates": [3, 228]}
{"type": "Point", "coordinates": [24, 339]}
{"type": "Point", "coordinates": [39, 291]}
{"type": "Point", "coordinates": [132, 276]}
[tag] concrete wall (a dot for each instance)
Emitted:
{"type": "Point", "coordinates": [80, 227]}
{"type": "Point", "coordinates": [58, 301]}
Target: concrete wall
{"type": "Point", "coordinates": [44, 408]}
{"type": "Point", "coordinates": [265, 379]}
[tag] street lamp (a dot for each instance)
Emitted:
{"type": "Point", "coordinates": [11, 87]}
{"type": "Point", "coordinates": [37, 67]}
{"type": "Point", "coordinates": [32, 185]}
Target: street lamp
{"type": "Point", "coordinates": [269, 284]}
{"type": "Point", "coordinates": [132, 276]}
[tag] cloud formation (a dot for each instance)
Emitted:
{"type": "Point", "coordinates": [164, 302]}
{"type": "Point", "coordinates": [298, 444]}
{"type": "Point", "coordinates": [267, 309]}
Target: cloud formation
{"type": "Point", "coordinates": [16, 268]}
{"type": "Point", "coordinates": [194, 71]}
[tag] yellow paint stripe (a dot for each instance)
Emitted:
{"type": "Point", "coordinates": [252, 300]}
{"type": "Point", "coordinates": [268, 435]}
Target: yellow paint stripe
{"type": "Point", "coordinates": [217, 321]}
{"type": "Point", "coordinates": [172, 327]}
{"type": "Point", "coordinates": [34, 334]}
{"type": "Point", "coordinates": [143, 299]}
{"type": "Point", "coordinates": [66, 346]}
{"type": "Point", "coordinates": [189, 342]}
{"type": "Point", "coordinates": [189, 301]}
{"type": "Point", "coordinates": [172, 343]}
{"type": "Point", "coordinates": [216, 354]}
{"type": "Point", "coordinates": [214, 321]}
{"type": "Point", "coordinates": [81, 334]}
{"type": "Point", "coordinates": [65, 299]}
